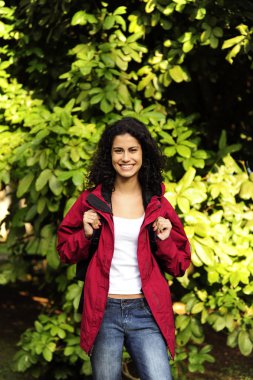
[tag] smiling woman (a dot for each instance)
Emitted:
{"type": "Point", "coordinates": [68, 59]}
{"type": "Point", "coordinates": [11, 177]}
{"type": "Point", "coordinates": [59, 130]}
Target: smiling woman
{"type": "Point", "coordinates": [126, 298]}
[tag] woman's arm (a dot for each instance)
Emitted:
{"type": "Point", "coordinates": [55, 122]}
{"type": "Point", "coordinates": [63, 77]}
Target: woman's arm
{"type": "Point", "coordinates": [174, 252]}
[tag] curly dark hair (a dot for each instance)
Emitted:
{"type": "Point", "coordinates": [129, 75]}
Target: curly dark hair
{"type": "Point", "coordinates": [150, 174]}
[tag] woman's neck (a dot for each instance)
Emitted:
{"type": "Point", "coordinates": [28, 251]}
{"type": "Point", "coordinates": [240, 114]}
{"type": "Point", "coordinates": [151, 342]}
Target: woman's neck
{"type": "Point", "coordinates": [127, 199]}
{"type": "Point", "coordinates": [129, 185]}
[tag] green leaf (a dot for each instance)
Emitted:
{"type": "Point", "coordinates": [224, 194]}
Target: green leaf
{"type": "Point", "coordinates": [169, 9]}
{"type": "Point", "coordinates": [105, 106]}
{"type": "Point", "coordinates": [197, 308]}
{"type": "Point", "coordinates": [55, 185]}
{"type": "Point", "coordinates": [38, 326]}
{"type": "Point", "coordinates": [51, 346]}
{"type": "Point", "coordinates": [182, 322]}
{"type": "Point", "coordinates": [166, 138]}
{"type": "Point", "coordinates": [122, 64]}
{"type": "Point", "coordinates": [79, 18]}
{"type": "Point", "coordinates": [223, 140]}
{"type": "Point", "coordinates": [69, 204]}
{"type": "Point", "coordinates": [195, 326]}
{"type": "Point", "coordinates": [246, 190]}
{"type": "Point", "coordinates": [109, 62]}
{"type": "Point", "coordinates": [78, 178]}
{"type": "Point", "coordinates": [232, 41]}
{"type": "Point", "coordinates": [232, 339]}
{"type": "Point", "coordinates": [61, 333]}
{"type": "Point", "coordinates": [184, 204]}
{"type": "Point", "coordinates": [52, 255]}
{"type": "Point", "coordinates": [43, 179]}
{"type": "Point", "coordinates": [214, 42]}
{"type": "Point", "coordinates": [120, 11]}
{"type": "Point", "coordinates": [233, 53]}
{"type": "Point", "coordinates": [217, 31]}
{"type": "Point", "coordinates": [69, 106]}
{"type": "Point", "coordinates": [47, 354]}
{"type": "Point", "coordinates": [40, 137]}
{"type": "Point", "coordinates": [213, 276]}
{"type": "Point", "coordinates": [31, 213]}
{"type": "Point", "coordinates": [145, 81]}
{"type": "Point", "coordinates": [188, 46]}
{"type": "Point", "coordinates": [202, 154]}
{"type": "Point", "coordinates": [188, 178]}
{"type": "Point", "coordinates": [183, 136]}
{"type": "Point", "coordinates": [170, 151]}
{"type": "Point", "coordinates": [43, 161]}
{"type": "Point", "coordinates": [66, 119]}
{"type": "Point", "coordinates": [220, 323]}
{"type": "Point", "coordinates": [184, 151]}
{"type": "Point", "coordinates": [204, 253]}
{"type": "Point", "coordinates": [183, 337]}
{"type": "Point", "coordinates": [41, 204]}
{"type": "Point", "coordinates": [244, 343]}
{"type": "Point", "coordinates": [200, 14]}
{"type": "Point", "coordinates": [109, 22]}
{"type": "Point", "coordinates": [74, 154]}
{"type": "Point", "coordinates": [243, 29]}
{"type": "Point", "coordinates": [97, 98]}
{"type": "Point", "coordinates": [201, 229]}
{"type": "Point", "coordinates": [150, 6]}
{"type": "Point", "coordinates": [68, 351]}
{"type": "Point", "coordinates": [178, 74]}
{"type": "Point", "coordinates": [24, 184]}
{"type": "Point", "coordinates": [248, 290]}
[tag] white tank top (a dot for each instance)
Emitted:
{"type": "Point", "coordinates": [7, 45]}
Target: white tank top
{"type": "Point", "coordinates": [124, 273]}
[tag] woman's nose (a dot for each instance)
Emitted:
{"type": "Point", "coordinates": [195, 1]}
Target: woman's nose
{"type": "Point", "coordinates": [125, 156]}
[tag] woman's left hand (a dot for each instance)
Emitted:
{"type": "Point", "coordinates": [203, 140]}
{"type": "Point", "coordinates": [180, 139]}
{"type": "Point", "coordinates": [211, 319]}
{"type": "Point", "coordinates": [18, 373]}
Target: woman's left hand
{"type": "Point", "coordinates": [162, 226]}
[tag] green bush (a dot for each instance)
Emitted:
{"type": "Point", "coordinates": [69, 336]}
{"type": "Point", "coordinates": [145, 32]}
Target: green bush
{"type": "Point", "coordinates": [66, 71]}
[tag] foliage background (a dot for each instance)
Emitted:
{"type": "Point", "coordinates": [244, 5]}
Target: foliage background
{"type": "Point", "coordinates": [184, 68]}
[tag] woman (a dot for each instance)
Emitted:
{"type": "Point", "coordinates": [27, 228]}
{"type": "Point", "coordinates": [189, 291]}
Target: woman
{"type": "Point", "coordinates": [126, 297]}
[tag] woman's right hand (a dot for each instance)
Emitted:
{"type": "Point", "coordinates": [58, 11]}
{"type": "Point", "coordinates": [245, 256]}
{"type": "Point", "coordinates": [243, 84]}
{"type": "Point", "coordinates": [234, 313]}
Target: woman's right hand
{"type": "Point", "coordinates": [91, 221]}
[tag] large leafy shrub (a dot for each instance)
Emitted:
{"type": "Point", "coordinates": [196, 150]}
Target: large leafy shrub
{"type": "Point", "coordinates": [67, 70]}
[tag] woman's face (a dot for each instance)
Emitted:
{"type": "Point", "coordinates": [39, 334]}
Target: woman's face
{"type": "Point", "coordinates": [126, 155]}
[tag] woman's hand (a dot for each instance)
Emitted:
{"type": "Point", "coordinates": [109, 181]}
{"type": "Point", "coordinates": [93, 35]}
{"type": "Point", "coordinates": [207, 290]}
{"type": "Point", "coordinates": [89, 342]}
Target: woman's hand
{"type": "Point", "coordinates": [91, 221]}
{"type": "Point", "coordinates": [162, 226]}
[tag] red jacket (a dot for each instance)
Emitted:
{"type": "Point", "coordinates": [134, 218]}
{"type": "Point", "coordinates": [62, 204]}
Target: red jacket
{"type": "Point", "coordinates": [173, 254]}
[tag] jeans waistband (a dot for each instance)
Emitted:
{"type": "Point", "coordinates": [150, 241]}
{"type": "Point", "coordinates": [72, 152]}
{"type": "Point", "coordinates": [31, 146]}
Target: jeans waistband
{"type": "Point", "coordinates": [126, 301]}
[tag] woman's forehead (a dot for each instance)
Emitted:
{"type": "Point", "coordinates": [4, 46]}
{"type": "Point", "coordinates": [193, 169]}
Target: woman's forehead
{"type": "Point", "coordinates": [125, 139]}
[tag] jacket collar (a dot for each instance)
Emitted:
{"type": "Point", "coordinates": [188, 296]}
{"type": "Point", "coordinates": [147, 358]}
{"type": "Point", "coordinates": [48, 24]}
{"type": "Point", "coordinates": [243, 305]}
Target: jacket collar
{"type": "Point", "coordinates": [100, 200]}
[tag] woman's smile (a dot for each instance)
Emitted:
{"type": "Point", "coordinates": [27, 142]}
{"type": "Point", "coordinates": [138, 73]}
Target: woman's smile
{"type": "Point", "coordinates": [126, 167]}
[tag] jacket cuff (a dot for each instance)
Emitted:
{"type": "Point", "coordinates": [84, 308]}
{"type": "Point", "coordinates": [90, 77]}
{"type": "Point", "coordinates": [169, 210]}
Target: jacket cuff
{"type": "Point", "coordinates": [163, 245]}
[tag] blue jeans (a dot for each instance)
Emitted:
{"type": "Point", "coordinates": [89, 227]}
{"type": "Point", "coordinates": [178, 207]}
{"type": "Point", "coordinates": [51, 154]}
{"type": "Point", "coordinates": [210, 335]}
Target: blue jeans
{"type": "Point", "coordinates": [129, 322]}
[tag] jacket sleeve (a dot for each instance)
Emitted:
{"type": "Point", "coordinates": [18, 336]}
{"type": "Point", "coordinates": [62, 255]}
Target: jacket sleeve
{"type": "Point", "coordinates": [174, 253]}
{"type": "Point", "coordinates": [72, 245]}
